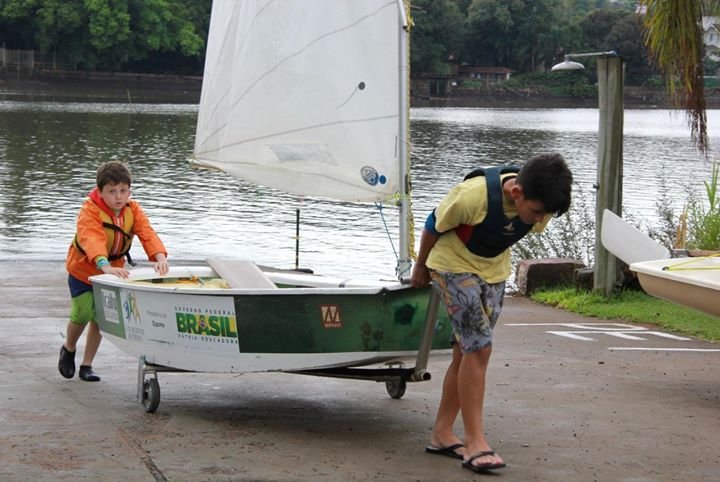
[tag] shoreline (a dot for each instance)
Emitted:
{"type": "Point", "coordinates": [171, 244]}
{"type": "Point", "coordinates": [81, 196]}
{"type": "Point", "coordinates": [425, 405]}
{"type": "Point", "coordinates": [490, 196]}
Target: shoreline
{"type": "Point", "coordinates": [152, 88]}
{"type": "Point", "coordinates": [114, 88]}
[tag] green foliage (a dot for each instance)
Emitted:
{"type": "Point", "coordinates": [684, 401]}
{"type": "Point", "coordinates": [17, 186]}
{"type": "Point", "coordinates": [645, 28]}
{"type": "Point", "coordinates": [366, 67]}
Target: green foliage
{"type": "Point", "coordinates": [520, 34]}
{"type": "Point", "coordinates": [711, 67]}
{"type": "Point", "coordinates": [562, 83]}
{"type": "Point", "coordinates": [158, 26]}
{"type": "Point", "coordinates": [634, 306]}
{"type": "Point", "coordinates": [472, 84]}
{"type": "Point", "coordinates": [703, 222]}
{"type": "Point", "coordinates": [674, 36]}
{"type": "Point", "coordinates": [653, 81]}
{"type": "Point", "coordinates": [698, 227]}
{"type": "Point", "coordinates": [666, 230]}
{"type": "Point", "coordinates": [189, 41]}
{"type": "Point", "coordinates": [582, 8]}
{"type": "Point", "coordinates": [105, 34]}
{"type": "Point", "coordinates": [438, 35]}
{"type": "Point", "coordinates": [572, 235]}
{"type": "Point", "coordinates": [524, 35]}
{"type": "Point", "coordinates": [619, 29]}
{"type": "Point", "coordinates": [625, 37]}
{"type": "Point", "coordinates": [711, 82]}
{"type": "Point", "coordinates": [109, 30]}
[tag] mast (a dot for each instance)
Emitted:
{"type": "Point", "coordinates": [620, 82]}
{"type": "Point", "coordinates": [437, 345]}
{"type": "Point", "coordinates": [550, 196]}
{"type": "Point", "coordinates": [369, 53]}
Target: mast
{"type": "Point", "coordinates": [404, 264]}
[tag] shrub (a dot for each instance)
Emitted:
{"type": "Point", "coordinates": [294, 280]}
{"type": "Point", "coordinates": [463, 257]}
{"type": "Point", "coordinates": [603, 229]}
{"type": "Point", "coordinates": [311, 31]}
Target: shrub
{"type": "Point", "coordinates": [703, 216]}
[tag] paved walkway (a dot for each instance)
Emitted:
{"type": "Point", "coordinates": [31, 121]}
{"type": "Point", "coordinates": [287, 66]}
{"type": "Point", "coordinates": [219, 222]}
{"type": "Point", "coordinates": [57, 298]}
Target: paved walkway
{"type": "Point", "coordinates": [567, 400]}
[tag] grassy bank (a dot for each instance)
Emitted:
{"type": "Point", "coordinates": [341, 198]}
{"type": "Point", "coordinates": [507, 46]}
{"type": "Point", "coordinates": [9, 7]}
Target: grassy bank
{"type": "Point", "coordinates": [635, 307]}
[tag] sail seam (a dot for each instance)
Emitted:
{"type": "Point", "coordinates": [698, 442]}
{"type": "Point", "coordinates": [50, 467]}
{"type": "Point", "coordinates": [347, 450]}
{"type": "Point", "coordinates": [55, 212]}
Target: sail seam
{"type": "Point", "coordinates": [301, 129]}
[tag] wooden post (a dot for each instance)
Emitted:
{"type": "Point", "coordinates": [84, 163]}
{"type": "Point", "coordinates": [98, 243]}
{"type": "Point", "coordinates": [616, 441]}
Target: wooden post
{"type": "Point", "coordinates": [609, 165]}
{"type": "Point", "coordinates": [297, 238]}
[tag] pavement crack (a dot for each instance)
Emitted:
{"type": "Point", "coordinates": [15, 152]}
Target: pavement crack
{"type": "Point", "coordinates": [143, 455]}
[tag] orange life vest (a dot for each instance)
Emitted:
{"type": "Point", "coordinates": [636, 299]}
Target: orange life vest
{"type": "Point", "coordinates": [119, 238]}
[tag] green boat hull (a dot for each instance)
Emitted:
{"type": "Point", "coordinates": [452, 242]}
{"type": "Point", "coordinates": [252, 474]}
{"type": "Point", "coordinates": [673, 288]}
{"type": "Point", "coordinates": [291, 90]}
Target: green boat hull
{"type": "Point", "coordinates": [286, 329]}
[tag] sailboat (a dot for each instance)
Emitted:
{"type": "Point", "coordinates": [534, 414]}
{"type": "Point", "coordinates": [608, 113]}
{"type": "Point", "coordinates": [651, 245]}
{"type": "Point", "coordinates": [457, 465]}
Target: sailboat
{"type": "Point", "coordinates": [310, 98]}
{"type": "Point", "coordinates": [693, 282]}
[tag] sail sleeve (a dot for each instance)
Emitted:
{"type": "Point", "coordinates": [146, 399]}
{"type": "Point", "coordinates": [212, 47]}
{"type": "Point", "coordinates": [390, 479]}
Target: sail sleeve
{"type": "Point", "coordinates": [303, 96]}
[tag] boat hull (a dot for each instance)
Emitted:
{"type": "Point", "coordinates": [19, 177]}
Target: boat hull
{"type": "Point", "coordinates": [288, 329]}
{"type": "Point", "coordinates": [696, 285]}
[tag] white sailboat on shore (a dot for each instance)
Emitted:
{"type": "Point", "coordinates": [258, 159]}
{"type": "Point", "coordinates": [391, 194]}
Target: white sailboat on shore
{"type": "Point", "coordinates": [689, 281]}
{"type": "Point", "coordinates": [310, 98]}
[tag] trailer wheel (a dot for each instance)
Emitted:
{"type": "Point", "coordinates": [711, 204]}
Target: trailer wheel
{"type": "Point", "coordinates": [396, 389]}
{"type": "Point", "coordinates": [151, 395]}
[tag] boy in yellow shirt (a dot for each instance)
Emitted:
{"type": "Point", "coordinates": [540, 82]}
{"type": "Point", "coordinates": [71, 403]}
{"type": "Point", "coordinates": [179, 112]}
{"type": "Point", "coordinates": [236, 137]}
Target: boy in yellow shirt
{"type": "Point", "coordinates": [464, 248]}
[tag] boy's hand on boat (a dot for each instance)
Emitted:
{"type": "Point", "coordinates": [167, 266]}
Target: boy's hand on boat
{"type": "Point", "coordinates": [161, 265]}
{"type": "Point", "coordinates": [420, 276]}
{"type": "Point", "coordinates": [119, 272]}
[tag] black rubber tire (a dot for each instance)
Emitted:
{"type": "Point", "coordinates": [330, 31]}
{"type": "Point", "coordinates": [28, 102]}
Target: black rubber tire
{"type": "Point", "coordinates": [151, 395]}
{"type": "Point", "coordinates": [396, 389]}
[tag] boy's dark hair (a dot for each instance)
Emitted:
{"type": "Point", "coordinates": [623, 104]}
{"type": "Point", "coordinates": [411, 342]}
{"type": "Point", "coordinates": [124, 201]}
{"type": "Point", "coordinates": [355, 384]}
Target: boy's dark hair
{"type": "Point", "coordinates": [113, 172]}
{"type": "Point", "coordinates": [547, 178]}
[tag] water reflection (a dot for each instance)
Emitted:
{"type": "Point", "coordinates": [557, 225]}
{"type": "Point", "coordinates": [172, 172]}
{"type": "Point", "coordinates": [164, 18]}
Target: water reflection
{"type": "Point", "coordinates": [49, 153]}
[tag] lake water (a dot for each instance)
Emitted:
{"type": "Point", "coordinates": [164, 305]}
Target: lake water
{"type": "Point", "coordinates": [49, 153]}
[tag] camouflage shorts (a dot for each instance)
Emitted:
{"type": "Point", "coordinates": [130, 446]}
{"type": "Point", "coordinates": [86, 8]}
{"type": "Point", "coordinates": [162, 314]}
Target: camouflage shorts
{"type": "Point", "coordinates": [472, 305]}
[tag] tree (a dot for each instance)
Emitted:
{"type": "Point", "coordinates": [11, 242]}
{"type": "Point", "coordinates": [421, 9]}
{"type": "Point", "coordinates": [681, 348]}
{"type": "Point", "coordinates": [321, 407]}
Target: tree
{"type": "Point", "coordinates": [109, 31]}
{"type": "Point", "coordinates": [437, 35]}
{"type": "Point", "coordinates": [619, 30]}
{"type": "Point", "coordinates": [106, 34]}
{"type": "Point", "coordinates": [626, 38]}
{"type": "Point", "coordinates": [46, 24]}
{"type": "Point", "coordinates": [674, 36]}
{"type": "Point", "coordinates": [16, 24]}
{"type": "Point", "coordinates": [520, 34]}
{"type": "Point", "coordinates": [169, 36]}
{"type": "Point", "coordinates": [161, 26]}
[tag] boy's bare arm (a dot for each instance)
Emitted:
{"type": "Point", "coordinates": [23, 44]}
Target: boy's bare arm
{"type": "Point", "coordinates": [420, 276]}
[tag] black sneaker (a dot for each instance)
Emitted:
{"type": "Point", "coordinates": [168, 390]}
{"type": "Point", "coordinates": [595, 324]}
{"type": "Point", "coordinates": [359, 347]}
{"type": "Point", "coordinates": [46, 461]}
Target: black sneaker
{"type": "Point", "coordinates": [66, 364]}
{"type": "Point", "coordinates": [87, 374]}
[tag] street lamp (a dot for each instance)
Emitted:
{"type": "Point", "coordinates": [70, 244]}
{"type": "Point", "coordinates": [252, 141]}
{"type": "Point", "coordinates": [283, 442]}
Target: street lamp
{"type": "Point", "coordinates": [606, 273]}
{"type": "Point", "coordinates": [568, 64]}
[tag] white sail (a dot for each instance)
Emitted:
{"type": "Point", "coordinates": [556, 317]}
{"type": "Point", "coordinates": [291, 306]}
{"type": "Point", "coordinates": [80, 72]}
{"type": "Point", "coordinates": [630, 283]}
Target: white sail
{"type": "Point", "coordinates": [303, 96]}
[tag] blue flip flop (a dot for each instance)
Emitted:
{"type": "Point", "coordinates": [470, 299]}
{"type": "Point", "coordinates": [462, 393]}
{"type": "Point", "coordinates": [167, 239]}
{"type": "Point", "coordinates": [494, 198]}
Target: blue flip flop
{"type": "Point", "coordinates": [449, 451]}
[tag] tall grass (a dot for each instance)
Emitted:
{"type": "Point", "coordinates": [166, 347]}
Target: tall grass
{"type": "Point", "coordinates": [569, 236]}
{"type": "Point", "coordinates": [666, 230]}
{"type": "Point", "coordinates": [703, 215]}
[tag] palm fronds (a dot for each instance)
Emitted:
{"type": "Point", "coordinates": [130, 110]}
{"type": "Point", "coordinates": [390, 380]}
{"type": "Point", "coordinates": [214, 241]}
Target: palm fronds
{"type": "Point", "coordinates": [674, 37]}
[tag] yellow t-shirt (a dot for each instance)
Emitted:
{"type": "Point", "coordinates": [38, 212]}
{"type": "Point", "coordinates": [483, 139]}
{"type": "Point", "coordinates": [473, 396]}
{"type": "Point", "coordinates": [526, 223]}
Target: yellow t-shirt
{"type": "Point", "coordinates": [467, 203]}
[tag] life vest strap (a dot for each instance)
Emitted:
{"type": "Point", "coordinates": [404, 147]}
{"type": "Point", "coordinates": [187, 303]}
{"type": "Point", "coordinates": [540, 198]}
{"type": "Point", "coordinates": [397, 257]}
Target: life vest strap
{"type": "Point", "coordinates": [113, 257]}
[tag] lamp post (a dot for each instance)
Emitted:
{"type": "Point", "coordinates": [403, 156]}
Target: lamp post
{"type": "Point", "coordinates": [606, 273]}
